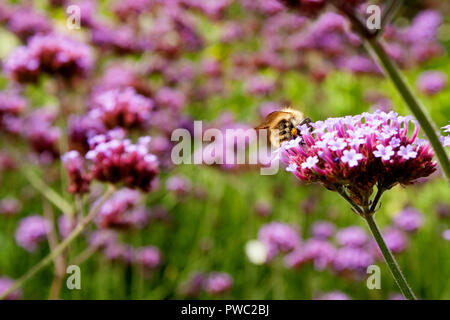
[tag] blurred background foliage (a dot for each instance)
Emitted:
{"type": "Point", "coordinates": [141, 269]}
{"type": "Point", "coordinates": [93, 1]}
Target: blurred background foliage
{"type": "Point", "coordinates": [210, 233]}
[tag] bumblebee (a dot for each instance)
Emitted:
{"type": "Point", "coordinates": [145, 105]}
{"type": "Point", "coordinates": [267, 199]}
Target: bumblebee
{"type": "Point", "coordinates": [282, 125]}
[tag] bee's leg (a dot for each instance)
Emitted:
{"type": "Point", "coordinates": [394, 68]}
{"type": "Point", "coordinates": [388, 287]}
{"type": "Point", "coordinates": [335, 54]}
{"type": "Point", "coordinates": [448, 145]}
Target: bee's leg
{"type": "Point", "coordinates": [307, 121]}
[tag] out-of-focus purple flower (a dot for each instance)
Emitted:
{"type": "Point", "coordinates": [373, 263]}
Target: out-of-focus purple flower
{"type": "Point", "coordinates": [423, 28]}
{"type": "Point", "coordinates": [218, 283]}
{"type": "Point", "coordinates": [79, 179]}
{"type": "Point", "coordinates": [320, 252]}
{"type": "Point", "coordinates": [115, 212]}
{"type": "Point", "coordinates": [443, 210]}
{"type": "Point", "coordinates": [88, 8]}
{"type": "Point", "coordinates": [117, 160]}
{"type": "Point", "coordinates": [6, 161]}
{"type": "Point", "coordinates": [268, 107]}
{"type": "Point", "coordinates": [322, 230]}
{"type": "Point", "coordinates": [119, 252]}
{"type": "Point", "coordinates": [212, 9]}
{"type": "Point", "coordinates": [10, 206]}
{"type": "Point", "coordinates": [260, 85]}
{"type": "Point", "coordinates": [31, 232]}
{"type": "Point", "coordinates": [359, 65]}
{"type": "Point", "coordinates": [159, 213]}
{"type": "Point", "coordinates": [130, 9]}
{"type": "Point", "coordinates": [409, 219]}
{"type": "Point", "coordinates": [396, 296]}
{"type": "Point", "coordinates": [170, 98]}
{"type": "Point", "coordinates": [358, 152]}
{"type": "Point", "coordinates": [102, 238]}
{"type": "Point", "coordinates": [81, 129]}
{"type": "Point", "coordinates": [179, 185]}
{"type": "Point", "coordinates": [231, 31]}
{"type": "Point", "coordinates": [194, 285]}
{"type": "Point", "coordinates": [6, 11]}
{"type": "Point", "coordinates": [333, 295]}
{"type": "Point", "coordinates": [122, 39]}
{"type": "Point", "coordinates": [53, 54]}
{"type": "Point", "coordinates": [431, 82]}
{"type": "Point", "coordinates": [121, 76]}
{"type": "Point", "coordinates": [351, 237]}
{"type": "Point", "coordinates": [26, 22]}
{"type": "Point", "coordinates": [42, 137]}
{"type": "Point", "coordinates": [212, 68]}
{"type": "Point", "coordinates": [352, 259]}
{"type": "Point", "coordinates": [278, 237]}
{"type": "Point", "coordinates": [5, 283]}
{"type": "Point", "coordinates": [263, 208]}
{"type": "Point", "coordinates": [12, 103]}
{"type": "Point", "coordinates": [395, 240]}
{"type": "Point", "coordinates": [122, 108]}
{"type": "Point", "coordinates": [65, 226]}
{"type": "Point", "coordinates": [148, 257]}
{"type": "Point", "coordinates": [12, 106]}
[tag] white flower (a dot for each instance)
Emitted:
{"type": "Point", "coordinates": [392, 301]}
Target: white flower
{"type": "Point", "coordinates": [351, 157]}
{"type": "Point", "coordinates": [446, 128]}
{"type": "Point", "coordinates": [407, 152]}
{"type": "Point", "coordinates": [356, 142]}
{"type": "Point", "coordinates": [394, 143]}
{"type": "Point", "coordinates": [256, 252]}
{"type": "Point", "coordinates": [292, 167]}
{"type": "Point", "coordinates": [385, 153]}
{"type": "Point", "coordinates": [310, 162]}
{"type": "Point", "coordinates": [337, 144]}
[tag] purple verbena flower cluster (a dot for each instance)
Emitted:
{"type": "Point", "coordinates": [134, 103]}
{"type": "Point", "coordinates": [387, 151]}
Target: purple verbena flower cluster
{"type": "Point", "coordinates": [359, 152]}
{"type": "Point", "coordinates": [53, 54]}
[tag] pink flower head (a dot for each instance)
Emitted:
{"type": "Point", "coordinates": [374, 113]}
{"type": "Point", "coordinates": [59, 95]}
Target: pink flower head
{"type": "Point", "coordinates": [322, 230]}
{"type": "Point", "coordinates": [5, 283]}
{"type": "Point", "coordinates": [351, 237]}
{"type": "Point", "coordinates": [79, 179]}
{"type": "Point", "coordinates": [278, 237]}
{"type": "Point", "coordinates": [122, 108]}
{"type": "Point", "coordinates": [116, 211]}
{"type": "Point", "coordinates": [320, 252]}
{"type": "Point", "coordinates": [52, 54]}
{"type": "Point", "coordinates": [117, 160]}
{"type": "Point", "coordinates": [26, 23]}
{"type": "Point", "coordinates": [31, 232]}
{"type": "Point", "coordinates": [10, 206]}
{"type": "Point", "coordinates": [218, 283]}
{"type": "Point", "coordinates": [409, 220]}
{"type": "Point", "coordinates": [148, 257]}
{"type": "Point", "coordinates": [358, 152]}
{"type": "Point", "coordinates": [431, 82]}
{"type": "Point", "coordinates": [333, 295]}
{"type": "Point", "coordinates": [352, 259]}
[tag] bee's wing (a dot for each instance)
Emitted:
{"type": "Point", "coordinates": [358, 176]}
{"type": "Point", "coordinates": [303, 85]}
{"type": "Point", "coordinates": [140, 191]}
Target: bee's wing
{"type": "Point", "coordinates": [273, 119]}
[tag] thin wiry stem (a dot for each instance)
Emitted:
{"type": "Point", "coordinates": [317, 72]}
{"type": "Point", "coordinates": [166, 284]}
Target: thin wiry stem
{"type": "Point", "coordinates": [377, 198]}
{"type": "Point", "coordinates": [47, 192]}
{"type": "Point", "coordinates": [344, 195]}
{"type": "Point", "coordinates": [61, 247]}
{"type": "Point", "coordinates": [389, 12]}
{"type": "Point", "coordinates": [368, 214]}
{"type": "Point", "coordinates": [390, 260]}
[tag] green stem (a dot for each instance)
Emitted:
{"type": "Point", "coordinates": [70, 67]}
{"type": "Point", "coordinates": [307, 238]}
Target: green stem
{"type": "Point", "coordinates": [47, 192]}
{"type": "Point", "coordinates": [390, 260]}
{"type": "Point", "coordinates": [60, 248]}
{"type": "Point", "coordinates": [419, 112]}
